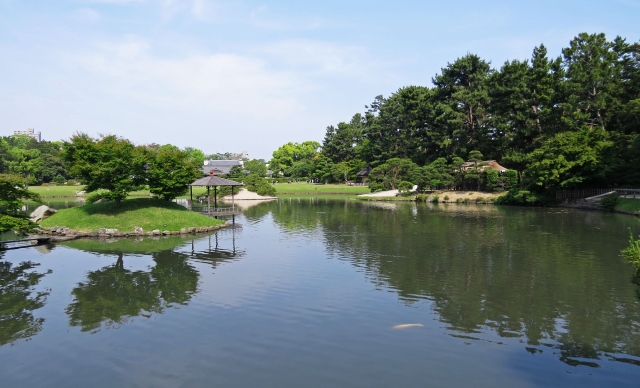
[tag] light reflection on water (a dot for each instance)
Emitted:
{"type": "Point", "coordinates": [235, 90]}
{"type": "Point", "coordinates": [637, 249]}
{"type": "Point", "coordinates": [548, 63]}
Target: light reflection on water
{"type": "Point", "coordinates": [306, 293]}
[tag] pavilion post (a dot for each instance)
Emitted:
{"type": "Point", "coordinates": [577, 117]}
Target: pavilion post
{"type": "Point", "coordinates": [208, 200]}
{"type": "Point", "coordinates": [215, 197]}
{"type": "Point", "coordinates": [233, 203]}
{"type": "Point", "coordinates": [191, 192]}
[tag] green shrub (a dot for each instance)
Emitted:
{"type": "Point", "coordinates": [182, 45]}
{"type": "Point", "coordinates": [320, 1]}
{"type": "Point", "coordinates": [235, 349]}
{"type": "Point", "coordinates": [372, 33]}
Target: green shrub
{"type": "Point", "coordinates": [492, 177]}
{"type": "Point", "coordinates": [405, 186]}
{"type": "Point", "coordinates": [421, 198]}
{"type": "Point", "coordinates": [458, 200]}
{"type": "Point", "coordinates": [377, 186]}
{"type": "Point", "coordinates": [466, 200]}
{"type": "Point", "coordinates": [259, 185]}
{"type": "Point", "coordinates": [510, 179]}
{"type": "Point", "coordinates": [632, 253]}
{"type": "Point", "coordinates": [446, 198]}
{"type": "Point", "coordinates": [479, 200]}
{"type": "Point", "coordinates": [59, 179]}
{"type": "Point", "coordinates": [609, 202]}
{"type": "Point", "coordinates": [98, 195]}
{"type": "Point", "coordinates": [435, 199]}
{"type": "Point", "coordinates": [523, 197]}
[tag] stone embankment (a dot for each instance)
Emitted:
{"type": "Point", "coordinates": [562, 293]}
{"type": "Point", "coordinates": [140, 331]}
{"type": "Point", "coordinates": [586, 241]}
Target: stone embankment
{"type": "Point", "coordinates": [65, 234]}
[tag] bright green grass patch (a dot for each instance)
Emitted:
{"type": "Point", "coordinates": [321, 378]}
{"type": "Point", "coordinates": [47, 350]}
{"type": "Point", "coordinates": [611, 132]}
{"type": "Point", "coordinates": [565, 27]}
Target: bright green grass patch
{"type": "Point", "coordinates": [70, 191]}
{"type": "Point", "coordinates": [308, 188]}
{"type": "Point", "coordinates": [308, 196]}
{"type": "Point", "coordinates": [147, 213]}
{"type": "Point", "coordinates": [128, 245]}
{"type": "Point", "coordinates": [387, 199]}
{"type": "Point", "coordinates": [629, 205]}
{"type": "Point", "coordinates": [56, 191]}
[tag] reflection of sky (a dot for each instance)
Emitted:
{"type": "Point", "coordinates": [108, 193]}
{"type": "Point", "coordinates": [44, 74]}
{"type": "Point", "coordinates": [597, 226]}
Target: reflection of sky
{"type": "Point", "coordinates": [284, 313]}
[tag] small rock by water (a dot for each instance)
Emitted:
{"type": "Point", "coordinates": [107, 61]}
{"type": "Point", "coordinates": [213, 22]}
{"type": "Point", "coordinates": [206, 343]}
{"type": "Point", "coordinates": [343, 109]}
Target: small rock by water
{"type": "Point", "coordinates": [42, 212]}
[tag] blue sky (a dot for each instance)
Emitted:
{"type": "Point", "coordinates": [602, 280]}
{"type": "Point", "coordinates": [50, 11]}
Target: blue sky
{"type": "Point", "coordinates": [252, 75]}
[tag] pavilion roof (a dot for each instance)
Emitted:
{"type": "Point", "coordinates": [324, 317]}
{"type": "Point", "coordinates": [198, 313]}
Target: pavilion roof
{"type": "Point", "coordinates": [213, 180]}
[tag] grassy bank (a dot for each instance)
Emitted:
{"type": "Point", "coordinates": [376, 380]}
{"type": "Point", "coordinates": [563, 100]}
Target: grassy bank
{"type": "Point", "coordinates": [70, 191]}
{"type": "Point", "coordinates": [147, 213]}
{"type": "Point", "coordinates": [629, 205]}
{"type": "Point", "coordinates": [308, 188]}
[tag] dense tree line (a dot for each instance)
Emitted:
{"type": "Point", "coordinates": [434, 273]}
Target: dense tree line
{"type": "Point", "coordinates": [39, 161]}
{"type": "Point", "coordinates": [565, 122]}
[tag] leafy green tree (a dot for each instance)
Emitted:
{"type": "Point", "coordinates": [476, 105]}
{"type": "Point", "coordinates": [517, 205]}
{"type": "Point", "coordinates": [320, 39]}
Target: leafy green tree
{"type": "Point", "coordinates": [593, 76]}
{"type": "Point", "coordinates": [323, 169]}
{"type": "Point", "coordinates": [195, 155]}
{"type": "Point", "coordinates": [510, 179]}
{"type": "Point", "coordinates": [108, 163]}
{"type": "Point", "coordinates": [399, 127]}
{"type": "Point", "coordinates": [24, 162]}
{"type": "Point", "coordinates": [473, 173]}
{"type": "Point", "coordinates": [569, 159]}
{"type": "Point", "coordinates": [13, 192]}
{"type": "Point", "coordinates": [236, 172]}
{"type": "Point", "coordinates": [341, 143]}
{"type": "Point", "coordinates": [256, 166]}
{"type": "Point", "coordinates": [170, 171]}
{"type": "Point", "coordinates": [461, 104]}
{"type": "Point", "coordinates": [300, 169]}
{"type": "Point", "coordinates": [492, 179]}
{"type": "Point", "coordinates": [285, 156]}
{"type": "Point", "coordinates": [391, 173]}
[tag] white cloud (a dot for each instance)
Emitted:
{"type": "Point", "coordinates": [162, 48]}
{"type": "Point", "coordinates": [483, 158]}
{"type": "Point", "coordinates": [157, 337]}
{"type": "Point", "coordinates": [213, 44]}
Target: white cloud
{"type": "Point", "coordinates": [218, 82]}
{"type": "Point", "coordinates": [322, 58]}
{"type": "Point", "coordinates": [86, 16]}
{"type": "Point", "coordinates": [116, 1]}
{"type": "Point", "coordinates": [262, 18]}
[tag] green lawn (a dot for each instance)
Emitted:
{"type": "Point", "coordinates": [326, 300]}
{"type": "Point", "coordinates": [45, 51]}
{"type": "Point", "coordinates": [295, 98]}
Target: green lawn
{"type": "Point", "coordinates": [308, 188]}
{"type": "Point", "coordinates": [147, 213]}
{"type": "Point", "coordinates": [281, 188]}
{"type": "Point", "coordinates": [69, 191]}
{"type": "Point", "coordinates": [629, 205]}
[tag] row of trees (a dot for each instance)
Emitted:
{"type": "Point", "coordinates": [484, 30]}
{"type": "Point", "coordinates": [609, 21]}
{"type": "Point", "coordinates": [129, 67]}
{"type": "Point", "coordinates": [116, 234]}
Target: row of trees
{"type": "Point", "coordinates": [40, 162]}
{"type": "Point", "coordinates": [403, 174]}
{"type": "Point", "coordinates": [565, 122]}
{"type": "Point", "coordinates": [115, 164]}
{"type": "Point", "coordinates": [309, 159]}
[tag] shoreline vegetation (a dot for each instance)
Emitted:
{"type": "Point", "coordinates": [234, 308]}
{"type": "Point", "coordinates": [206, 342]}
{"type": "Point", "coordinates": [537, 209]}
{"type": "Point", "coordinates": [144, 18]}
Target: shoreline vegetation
{"type": "Point", "coordinates": [139, 216]}
{"type": "Point", "coordinates": [328, 191]}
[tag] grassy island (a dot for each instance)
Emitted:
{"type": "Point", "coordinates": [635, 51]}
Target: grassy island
{"type": "Point", "coordinates": [147, 213]}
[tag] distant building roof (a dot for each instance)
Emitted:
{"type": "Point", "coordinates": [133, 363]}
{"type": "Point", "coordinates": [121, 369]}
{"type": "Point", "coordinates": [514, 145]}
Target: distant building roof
{"type": "Point", "coordinates": [364, 172]}
{"type": "Point", "coordinates": [213, 180]}
{"type": "Point", "coordinates": [219, 166]}
{"type": "Point", "coordinates": [485, 164]}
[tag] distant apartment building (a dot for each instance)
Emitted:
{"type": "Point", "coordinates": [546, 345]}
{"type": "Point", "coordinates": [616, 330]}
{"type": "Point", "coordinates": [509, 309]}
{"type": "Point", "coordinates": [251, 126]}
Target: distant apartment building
{"type": "Point", "coordinates": [29, 132]}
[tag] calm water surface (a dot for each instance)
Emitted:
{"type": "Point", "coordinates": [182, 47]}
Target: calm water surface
{"type": "Point", "coordinates": [307, 293]}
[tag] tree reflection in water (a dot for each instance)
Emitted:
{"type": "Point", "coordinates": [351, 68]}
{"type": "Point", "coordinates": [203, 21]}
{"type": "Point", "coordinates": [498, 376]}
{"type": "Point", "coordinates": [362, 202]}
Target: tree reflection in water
{"type": "Point", "coordinates": [541, 275]}
{"type": "Point", "coordinates": [18, 299]}
{"type": "Point", "coordinates": [113, 295]}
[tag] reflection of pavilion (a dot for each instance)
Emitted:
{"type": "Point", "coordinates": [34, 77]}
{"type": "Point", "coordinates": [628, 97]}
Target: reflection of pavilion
{"type": "Point", "coordinates": [215, 253]}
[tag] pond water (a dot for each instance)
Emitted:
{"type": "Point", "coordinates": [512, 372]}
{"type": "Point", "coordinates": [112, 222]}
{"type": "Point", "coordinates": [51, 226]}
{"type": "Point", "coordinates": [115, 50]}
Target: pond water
{"type": "Point", "coordinates": [307, 293]}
